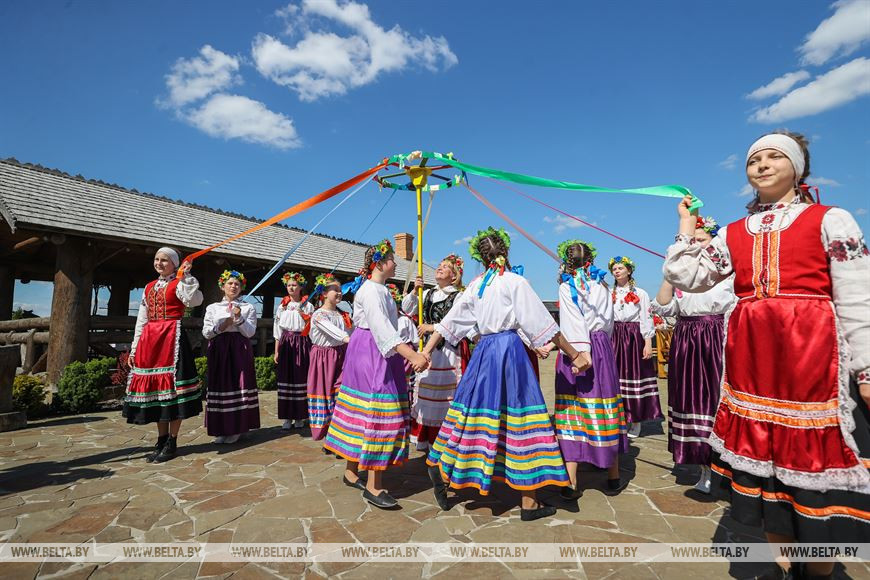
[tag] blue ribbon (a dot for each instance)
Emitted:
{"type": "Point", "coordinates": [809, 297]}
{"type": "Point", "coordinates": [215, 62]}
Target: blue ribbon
{"type": "Point", "coordinates": [575, 297]}
{"type": "Point", "coordinates": [290, 252]}
{"type": "Point", "coordinates": [597, 274]}
{"type": "Point", "coordinates": [518, 270]}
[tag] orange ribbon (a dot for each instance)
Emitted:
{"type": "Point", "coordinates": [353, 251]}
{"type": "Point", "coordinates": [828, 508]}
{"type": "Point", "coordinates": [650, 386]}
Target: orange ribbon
{"type": "Point", "coordinates": [298, 208]}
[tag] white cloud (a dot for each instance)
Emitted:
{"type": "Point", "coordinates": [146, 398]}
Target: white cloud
{"type": "Point", "coordinates": [820, 181]}
{"type": "Point", "coordinates": [779, 86]}
{"type": "Point", "coordinates": [729, 162]}
{"type": "Point", "coordinates": [464, 240]}
{"type": "Point", "coordinates": [839, 35]}
{"type": "Point", "coordinates": [288, 14]}
{"type": "Point", "coordinates": [563, 223]}
{"type": "Point", "coordinates": [861, 211]}
{"type": "Point", "coordinates": [196, 78]}
{"type": "Point", "coordinates": [323, 63]}
{"type": "Point", "coordinates": [238, 117]}
{"type": "Point", "coordinates": [836, 87]}
{"type": "Point", "coordinates": [745, 190]}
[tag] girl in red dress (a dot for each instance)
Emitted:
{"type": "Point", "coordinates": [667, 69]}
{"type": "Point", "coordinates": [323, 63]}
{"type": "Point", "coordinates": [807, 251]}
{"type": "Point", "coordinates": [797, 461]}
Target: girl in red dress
{"type": "Point", "coordinates": [791, 442]}
{"type": "Point", "coordinates": [163, 385]}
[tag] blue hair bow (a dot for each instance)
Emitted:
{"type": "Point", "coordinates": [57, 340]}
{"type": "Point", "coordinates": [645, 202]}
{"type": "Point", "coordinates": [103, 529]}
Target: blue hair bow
{"type": "Point", "coordinates": [353, 286]}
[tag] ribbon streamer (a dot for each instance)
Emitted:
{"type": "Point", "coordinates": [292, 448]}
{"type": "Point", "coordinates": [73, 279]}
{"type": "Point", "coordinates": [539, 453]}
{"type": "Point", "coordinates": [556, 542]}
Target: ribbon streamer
{"type": "Point", "coordinates": [585, 223]}
{"type": "Point", "coordinates": [502, 215]}
{"type": "Point", "coordinates": [298, 244]}
{"type": "Point", "coordinates": [677, 191]}
{"type": "Point", "coordinates": [298, 208]}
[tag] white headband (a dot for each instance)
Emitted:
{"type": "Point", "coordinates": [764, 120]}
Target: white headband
{"type": "Point", "coordinates": [785, 145]}
{"type": "Point", "coordinates": [169, 253]}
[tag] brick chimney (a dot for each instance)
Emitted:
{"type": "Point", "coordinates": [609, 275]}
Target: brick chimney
{"type": "Point", "coordinates": [404, 246]}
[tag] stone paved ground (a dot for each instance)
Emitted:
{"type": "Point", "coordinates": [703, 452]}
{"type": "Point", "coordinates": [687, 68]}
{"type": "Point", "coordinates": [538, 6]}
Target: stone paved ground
{"type": "Point", "coordinates": [79, 478]}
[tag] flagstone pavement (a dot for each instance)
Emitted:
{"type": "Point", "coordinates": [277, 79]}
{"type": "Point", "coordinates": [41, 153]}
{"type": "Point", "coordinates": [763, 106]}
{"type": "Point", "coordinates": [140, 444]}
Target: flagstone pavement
{"type": "Point", "coordinates": [82, 478]}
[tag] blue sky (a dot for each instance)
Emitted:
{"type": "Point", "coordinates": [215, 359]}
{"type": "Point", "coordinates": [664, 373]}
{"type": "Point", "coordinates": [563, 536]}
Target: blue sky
{"type": "Point", "coordinates": [252, 107]}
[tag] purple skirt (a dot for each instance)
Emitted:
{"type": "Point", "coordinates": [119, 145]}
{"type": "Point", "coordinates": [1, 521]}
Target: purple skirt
{"type": "Point", "coordinates": [293, 353]}
{"type": "Point", "coordinates": [370, 421]}
{"type": "Point", "coordinates": [637, 376]}
{"type": "Point", "coordinates": [324, 379]}
{"type": "Point", "coordinates": [694, 377]}
{"type": "Point", "coordinates": [231, 403]}
{"type": "Point", "coordinates": [590, 419]}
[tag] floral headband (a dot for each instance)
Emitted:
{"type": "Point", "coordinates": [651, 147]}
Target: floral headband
{"type": "Point", "coordinates": [481, 235]}
{"type": "Point", "coordinates": [382, 249]}
{"type": "Point", "coordinates": [232, 274]}
{"type": "Point", "coordinates": [624, 260]}
{"type": "Point", "coordinates": [325, 280]}
{"type": "Point", "coordinates": [300, 279]}
{"type": "Point", "coordinates": [394, 293]}
{"type": "Point", "coordinates": [563, 249]}
{"type": "Point", "coordinates": [707, 224]}
{"type": "Point", "coordinates": [457, 261]}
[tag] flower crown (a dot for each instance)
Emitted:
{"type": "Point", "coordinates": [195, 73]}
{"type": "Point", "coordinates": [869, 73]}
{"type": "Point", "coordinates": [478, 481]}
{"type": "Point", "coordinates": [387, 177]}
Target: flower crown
{"type": "Point", "coordinates": [232, 274]}
{"type": "Point", "coordinates": [624, 260]}
{"type": "Point", "coordinates": [481, 234]}
{"type": "Point", "coordinates": [325, 280]}
{"type": "Point", "coordinates": [382, 249]}
{"type": "Point", "coordinates": [707, 224]}
{"type": "Point", "coordinates": [395, 294]}
{"type": "Point", "coordinates": [563, 249]}
{"type": "Point", "coordinates": [456, 261]}
{"type": "Point", "coordinates": [300, 279]}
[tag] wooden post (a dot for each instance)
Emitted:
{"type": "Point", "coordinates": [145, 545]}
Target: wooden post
{"type": "Point", "coordinates": [7, 290]}
{"type": "Point", "coordinates": [119, 299]}
{"type": "Point", "coordinates": [70, 306]}
{"type": "Point", "coordinates": [10, 356]}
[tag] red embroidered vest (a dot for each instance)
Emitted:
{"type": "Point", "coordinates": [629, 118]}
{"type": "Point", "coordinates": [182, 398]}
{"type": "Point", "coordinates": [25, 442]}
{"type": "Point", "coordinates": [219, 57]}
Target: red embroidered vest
{"type": "Point", "coordinates": [790, 262]}
{"type": "Point", "coordinates": [163, 304]}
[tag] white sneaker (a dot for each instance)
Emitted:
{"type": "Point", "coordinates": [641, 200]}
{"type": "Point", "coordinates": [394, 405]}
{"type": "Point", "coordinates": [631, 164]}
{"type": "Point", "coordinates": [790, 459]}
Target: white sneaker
{"type": "Point", "coordinates": [634, 430]}
{"type": "Point", "coordinates": [703, 484]}
{"type": "Point", "coordinates": [231, 439]}
{"type": "Point", "coordinates": [219, 440]}
{"type": "Point", "coordinates": [288, 424]}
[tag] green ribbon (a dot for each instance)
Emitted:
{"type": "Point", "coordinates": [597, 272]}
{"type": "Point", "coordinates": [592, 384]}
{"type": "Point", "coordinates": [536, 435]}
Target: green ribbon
{"type": "Point", "coordinates": [677, 191]}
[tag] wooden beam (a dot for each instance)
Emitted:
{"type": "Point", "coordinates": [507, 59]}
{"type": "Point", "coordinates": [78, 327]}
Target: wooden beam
{"type": "Point", "coordinates": [25, 324]}
{"type": "Point", "coordinates": [28, 242]}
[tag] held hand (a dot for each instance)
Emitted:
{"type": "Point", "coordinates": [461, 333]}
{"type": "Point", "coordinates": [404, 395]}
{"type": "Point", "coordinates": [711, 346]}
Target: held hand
{"type": "Point", "coordinates": [683, 208]}
{"type": "Point", "coordinates": [418, 283]}
{"type": "Point", "coordinates": [419, 362]}
{"type": "Point", "coordinates": [346, 339]}
{"type": "Point", "coordinates": [276, 358]}
{"type": "Point", "coordinates": [130, 362]}
{"type": "Point", "coordinates": [864, 389]}
{"type": "Point", "coordinates": [581, 363]}
{"type": "Point", "coordinates": [185, 268]}
{"type": "Point", "coordinates": [426, 329]}
{"type": "Point", "coordinates": [237, 312]}
{"type": "Point", "coordinates": [647, 351]}
{"type": "Point", "coordinates": [542, 352]}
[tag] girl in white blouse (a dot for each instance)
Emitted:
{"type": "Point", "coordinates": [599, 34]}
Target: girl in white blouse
{"type": "Point", "coordinates": [791, 441]}
{"type": "Point", "coordinates": [292, 352]}
{"type": "Point", "coordinates": [498, 427]}
{"type": "Point", "coordinates": [633, 331]}
{"type": "Point", "coordinates": [370, 426]}
{"type": "Point", "coordinates": [329, 334]}
{"type": "Point", "coordinates": [695, 362]}
{"type": "Point", "coordinates": [232, 405]}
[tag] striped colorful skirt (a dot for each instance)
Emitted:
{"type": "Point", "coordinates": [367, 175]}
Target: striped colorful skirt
{"type": "Point", "coordinates": [231, 403]}
{"type": "Point", "coordinates": [370, 420]}
{"type": "Point", "coordinates": [324, 379]}
{"type": "Point", "coordinates": [694, 380]}
{"type": "Point", "coordinates": [637, 376]}
{"type": "Point", "coordinates": [590, 419]}
{"type": "Point", "coordinates": [294, 351]}
{"type": "Point", "coordinates": [497, 427]}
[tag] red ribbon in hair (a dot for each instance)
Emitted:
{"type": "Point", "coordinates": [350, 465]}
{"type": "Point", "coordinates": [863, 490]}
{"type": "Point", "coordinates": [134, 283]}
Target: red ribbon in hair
{"type": "Point", "coordinates": [806, 189]}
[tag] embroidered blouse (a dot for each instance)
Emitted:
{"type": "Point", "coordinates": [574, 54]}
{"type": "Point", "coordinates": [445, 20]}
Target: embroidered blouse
{"type": "Point", "coordinates": [509, 303]}
{"type": "Point", "coordinates": [328, 328]}
{"type": "Point", "coordinates": [375, 310]}
{"type": "Point", "coordinates": [217, 313]}
{"type": "Point", "coordinates": [717, 300]}
{"type": "Point", "coordinates": [634, 311]}
{"type": "Point", "coordinates": [288, 317]}
{"type": "Point", "coordinates": [692, 268]}
{"type": "Point", "coordinates": [597, 313]}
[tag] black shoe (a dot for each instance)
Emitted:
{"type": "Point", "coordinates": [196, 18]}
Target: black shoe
{"type": "Point", "coordinates": [161, 441]}
{"type": "Point", "coordinates": [168, 451]}
{"type": "Point", "coordinates": [383, 500]}
{"type": "Point", "coordinates": [614, 486]}
{"type": "Point", "coordinates": [544, 511]}
{"type": "Point", "coordinates": [439, 487]}
{"type": "Point", "coordinates": [570, 494]}
{"type": "Point", "coordinates": [358, 484]}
